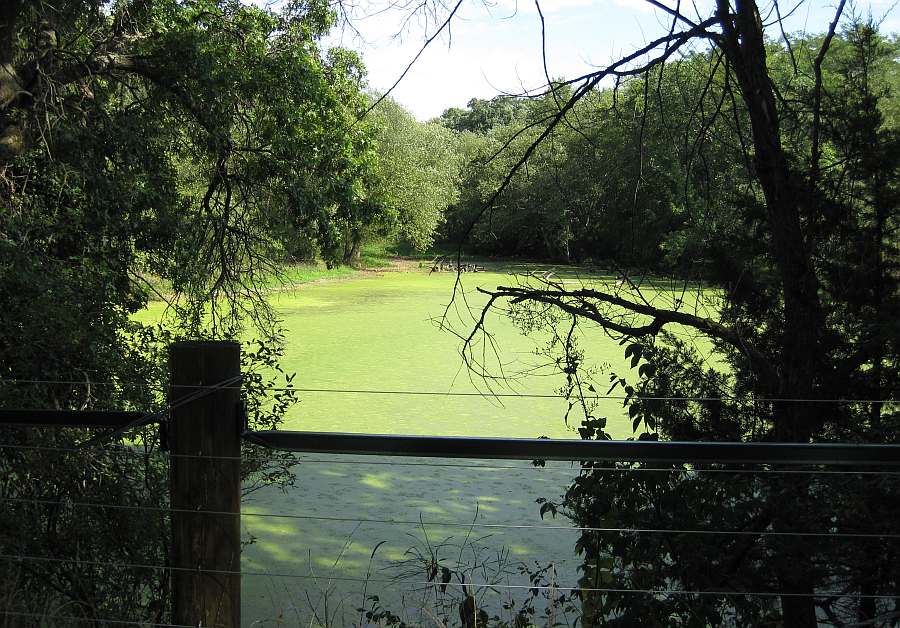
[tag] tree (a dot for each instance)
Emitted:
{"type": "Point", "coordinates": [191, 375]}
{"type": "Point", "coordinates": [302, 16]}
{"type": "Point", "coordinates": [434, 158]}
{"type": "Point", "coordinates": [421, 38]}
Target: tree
{"type": "Point", "coordinates": [803, 255]}
{"type": "Point", "coordinates": [183, 140]}
{"type": "Point", "coordinates": [481, 116]}
{"type": "Point", "coordinates": [419, 171]}
{"type": "Point", "coordinates": [575, 198]}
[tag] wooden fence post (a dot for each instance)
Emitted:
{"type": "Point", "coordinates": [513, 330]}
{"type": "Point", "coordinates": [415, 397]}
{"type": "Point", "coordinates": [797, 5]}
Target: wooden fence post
{"type": "Point", "coordinates": [207, 425]}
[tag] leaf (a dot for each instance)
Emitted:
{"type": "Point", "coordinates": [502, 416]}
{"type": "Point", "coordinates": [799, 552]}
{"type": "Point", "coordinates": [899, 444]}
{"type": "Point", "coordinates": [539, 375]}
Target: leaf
{"type": "Point", "coordinates": [548, 507]}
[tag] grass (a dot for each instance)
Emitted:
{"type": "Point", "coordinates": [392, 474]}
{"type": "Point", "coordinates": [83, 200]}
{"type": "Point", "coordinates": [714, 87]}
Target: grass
{"type": "Point", "coordinates": [376, 255]}
{"type": "Point", "coordinates": [156, 288]}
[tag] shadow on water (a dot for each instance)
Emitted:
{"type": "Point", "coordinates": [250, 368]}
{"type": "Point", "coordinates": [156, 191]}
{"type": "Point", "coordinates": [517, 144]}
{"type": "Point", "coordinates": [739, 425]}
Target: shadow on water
{"type": "Point", "coordinates": [411, 513]}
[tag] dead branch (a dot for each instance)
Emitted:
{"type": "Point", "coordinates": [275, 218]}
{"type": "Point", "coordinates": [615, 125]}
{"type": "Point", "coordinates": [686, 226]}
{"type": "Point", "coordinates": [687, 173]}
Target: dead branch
{"type": "Point", "coordinates": [610, 310]}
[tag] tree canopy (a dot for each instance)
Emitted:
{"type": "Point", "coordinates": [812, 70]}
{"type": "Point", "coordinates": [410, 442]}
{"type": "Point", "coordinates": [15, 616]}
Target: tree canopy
{"type": "Point", "coordinates": [419, 166]}
{"type": "Point", "coordinates": [142, 141]}
{"type": "Point", "coordinates": [206, 142]}
{"type": "Point", "coordinates": [765, 169]}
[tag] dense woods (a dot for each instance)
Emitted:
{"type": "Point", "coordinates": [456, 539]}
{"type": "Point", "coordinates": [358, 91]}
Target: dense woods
{"type": "Point", "coordinates": [207, 143]}
{"type": "Point", "coordinates": [767, 169]}
{"type": "Point", "coordinates": [143, 141]}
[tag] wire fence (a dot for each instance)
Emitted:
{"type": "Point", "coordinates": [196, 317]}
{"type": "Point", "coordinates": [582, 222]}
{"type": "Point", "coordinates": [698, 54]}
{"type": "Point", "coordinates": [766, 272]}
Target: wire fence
{"type": "Point", "coordinates": [56, 618]}
{"type": "Point", "coordinates": [98, 446]}
{"type": "Point", "coordinates": [436, 584]}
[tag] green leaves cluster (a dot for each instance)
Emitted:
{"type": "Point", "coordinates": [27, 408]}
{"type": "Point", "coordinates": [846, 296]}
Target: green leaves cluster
{"type": "Point", "coordinates": [418, 166]}
{"type": "Point", "coordinates": [799, 342]}
{"type": "Point", "coordinates": [586, 194]}
{"type": "Point", "coordinates": [144, 140]}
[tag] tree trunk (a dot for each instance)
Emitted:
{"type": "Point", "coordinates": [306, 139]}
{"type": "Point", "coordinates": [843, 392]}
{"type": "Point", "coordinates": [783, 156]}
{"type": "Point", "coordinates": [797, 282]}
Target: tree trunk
{"type": "Point", "coordinates": [798, 612]}
{"type": "Point", "coordinates": [744, 46]}
{"type": "Point", "coordinates": [352, 249]}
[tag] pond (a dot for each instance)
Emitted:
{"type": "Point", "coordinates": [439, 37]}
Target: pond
{"type": "Point", "coordinates": [364, 351]}
{"type": "Point", "coordinates": [381, 333]}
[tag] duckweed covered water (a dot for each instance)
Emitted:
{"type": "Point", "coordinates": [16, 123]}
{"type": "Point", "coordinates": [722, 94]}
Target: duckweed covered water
{"type": "Point", "coordinates": [379, 333]}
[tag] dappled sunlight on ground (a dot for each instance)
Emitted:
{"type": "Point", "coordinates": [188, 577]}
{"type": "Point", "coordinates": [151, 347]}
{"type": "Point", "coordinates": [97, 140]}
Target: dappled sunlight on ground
{"type": "Point", "coordinates": [377, 480]}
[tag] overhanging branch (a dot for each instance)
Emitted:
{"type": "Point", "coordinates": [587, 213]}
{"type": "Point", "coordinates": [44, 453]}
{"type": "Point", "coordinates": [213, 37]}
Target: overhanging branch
{"type": "Point", "coordinates": [622, 68]}
{"type": "Point", "coordinates": [587, 303]}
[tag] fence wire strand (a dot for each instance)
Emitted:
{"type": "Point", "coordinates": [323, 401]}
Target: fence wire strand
{"type": "Point", "coordinates": [427, 583]}
{"type": "Point", "coordinates": [466, 525]}
{"type": "Point", "coordinates": [449, 393]}
{"type": "Point", "coordinates": [474, 467]}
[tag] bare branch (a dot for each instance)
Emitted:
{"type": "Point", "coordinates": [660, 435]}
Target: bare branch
{"type": "Point", "coordinates": [677, 15]}
{"type": "Point", "coordinates": [618, 69]}
{"type": "Point", "coordinates": [444, 26]}
{"type": "Point", "coordinates": [817, 91]}
{"type": "Point", "coordinates": [589, 82]}
{"type": "Point", "coordinates": [589, 304]}
{"type": "Point", "coordinates": [787, 40]}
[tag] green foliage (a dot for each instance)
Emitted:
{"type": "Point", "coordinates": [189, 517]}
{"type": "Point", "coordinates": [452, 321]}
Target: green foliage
{"type": "Point", "coordinates": [376, 254]}
{"type": "Point", "coordinates": [46, 474]}
{"type": "Point", "coordinates": [684, 134]}
{"type": "Point", "coordinates": [419, 172]}
{"type": "Point", "coordinates": [585, 194]}
{"type": "Point", "coordinates": [184, 141]}
{"type": "Point", "coordinates": [481, 116]}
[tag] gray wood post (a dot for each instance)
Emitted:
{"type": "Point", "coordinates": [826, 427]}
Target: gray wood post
{"type": "Point", "coordinates": [206, 426]}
